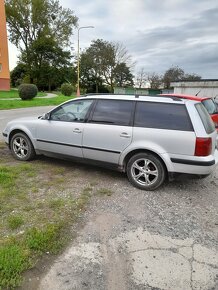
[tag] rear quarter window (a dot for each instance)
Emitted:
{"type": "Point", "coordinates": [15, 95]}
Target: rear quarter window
{"type": "Point", "coordinates": [210, 106]}
{"type": "Point", "coordinates": [162, 116]}
{"type": "Point", "coordinates": [205, 118]}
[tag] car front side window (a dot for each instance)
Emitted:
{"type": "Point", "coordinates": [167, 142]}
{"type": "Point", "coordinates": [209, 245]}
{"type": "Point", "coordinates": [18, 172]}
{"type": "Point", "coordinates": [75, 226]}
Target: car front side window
{"type": "Point", "coordinates": [74, 111]}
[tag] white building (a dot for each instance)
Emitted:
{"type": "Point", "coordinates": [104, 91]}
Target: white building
{"type": "Point", "coordinates": [204, 88]}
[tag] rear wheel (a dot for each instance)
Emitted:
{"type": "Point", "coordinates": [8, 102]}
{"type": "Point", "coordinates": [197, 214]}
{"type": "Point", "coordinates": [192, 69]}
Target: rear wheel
{"type": "Point", "coordinates": [146, 171]}
{"type": "Point", "coordinates": [21, 147]}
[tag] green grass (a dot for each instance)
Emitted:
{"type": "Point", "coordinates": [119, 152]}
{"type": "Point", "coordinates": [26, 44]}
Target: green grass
{"type": "Point", "coordinates": [14, 222]}
{"type": "Point", "coordinates": [13, 261]}
{"type": "Point", "coordinates": [104, 191]}
{"type": "Point", "coordinates": [39, 202]}
{"type": "Point", "coordinates": [14, 94]}
{"type": "Point", "coordinates": [8, 104]}
{"type": "Point", "coordinates": [37, 208]}
{"type": "Point", "coordinates": [13, 104]}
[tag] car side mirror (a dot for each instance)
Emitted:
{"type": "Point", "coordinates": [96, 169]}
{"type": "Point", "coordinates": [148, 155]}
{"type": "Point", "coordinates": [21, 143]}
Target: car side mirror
{"type": "Point", "coordinates": [45, 116]}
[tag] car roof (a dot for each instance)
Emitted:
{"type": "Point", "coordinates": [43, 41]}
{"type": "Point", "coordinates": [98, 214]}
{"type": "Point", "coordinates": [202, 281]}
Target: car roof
{"type": "Point", "coordinates": [189, 97]}
{"type": "Point", "coordinates": [148, 98]}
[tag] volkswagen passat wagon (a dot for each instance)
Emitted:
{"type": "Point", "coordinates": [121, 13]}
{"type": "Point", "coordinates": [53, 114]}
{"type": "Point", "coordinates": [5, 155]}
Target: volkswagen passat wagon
{"type": "Point", "coordinates": [149, 138]}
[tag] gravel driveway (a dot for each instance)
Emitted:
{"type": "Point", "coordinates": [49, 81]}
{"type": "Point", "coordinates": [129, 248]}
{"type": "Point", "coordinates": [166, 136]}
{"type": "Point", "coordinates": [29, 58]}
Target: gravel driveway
{"type": "Point", "coordinates": [167, 239]}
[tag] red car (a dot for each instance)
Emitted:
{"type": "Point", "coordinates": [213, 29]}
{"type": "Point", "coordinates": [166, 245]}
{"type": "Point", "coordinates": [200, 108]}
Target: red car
{"type": "Point", "coordinates": [208, 103]}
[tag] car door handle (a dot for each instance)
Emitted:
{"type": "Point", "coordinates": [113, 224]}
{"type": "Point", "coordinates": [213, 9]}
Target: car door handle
{"type": "Point", "coordinates": [77, 130]}
{"type": "Point", "coordinates": [125, 135]}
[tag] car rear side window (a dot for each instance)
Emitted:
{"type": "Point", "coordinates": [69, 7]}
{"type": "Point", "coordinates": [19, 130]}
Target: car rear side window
{"type": "Point", "coordinates": [206, 119]}
{"type": "Point", "coordinates": [162, 116]}
{"type": "Point", "coordinates": [210, 106]}
{"type": "Point", "coordinates": [113, 112]}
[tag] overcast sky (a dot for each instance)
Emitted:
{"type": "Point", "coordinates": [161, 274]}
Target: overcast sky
{"type": "Point", "coordinates": [156, 33]}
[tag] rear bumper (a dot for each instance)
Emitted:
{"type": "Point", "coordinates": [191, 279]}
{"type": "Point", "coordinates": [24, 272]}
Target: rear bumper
{"type": "Point", "coordinates": [182, 176]}
{"type": "Point", "coordinates": [191, 164]}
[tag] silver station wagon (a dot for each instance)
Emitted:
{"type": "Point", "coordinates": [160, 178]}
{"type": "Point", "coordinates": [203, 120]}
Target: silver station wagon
{"type": "Point", "coordinates": [151, 138]}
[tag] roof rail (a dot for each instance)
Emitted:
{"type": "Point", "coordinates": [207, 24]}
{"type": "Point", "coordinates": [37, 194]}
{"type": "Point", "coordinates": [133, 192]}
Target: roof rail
{"type": "Point", "coordinates": [174, 98]}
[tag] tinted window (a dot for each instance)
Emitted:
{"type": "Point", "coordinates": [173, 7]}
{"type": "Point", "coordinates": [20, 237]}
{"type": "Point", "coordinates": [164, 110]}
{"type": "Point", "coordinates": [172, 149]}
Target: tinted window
{"type": "Point", "coordinates": [113, 112]}
{"type": "Point", "coordinates": [71, 112]}
{"type": "Point", "coordinates": [162, 116]}
{"type": "Point", "coordinates": [210, 106]}
{"type": "Point", "coordinates": [206, 119]}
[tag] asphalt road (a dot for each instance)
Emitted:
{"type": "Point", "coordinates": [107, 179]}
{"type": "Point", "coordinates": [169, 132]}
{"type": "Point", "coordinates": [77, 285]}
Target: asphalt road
{"type": "Point", "coordinates": [8, 115]}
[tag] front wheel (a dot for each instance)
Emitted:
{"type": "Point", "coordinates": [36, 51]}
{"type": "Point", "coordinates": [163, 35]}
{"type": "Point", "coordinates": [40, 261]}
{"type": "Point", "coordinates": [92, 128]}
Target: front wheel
{"type": "Point", "coordinates": [146, 171]}
{"type": "Point", "coordinates": [21, 147]}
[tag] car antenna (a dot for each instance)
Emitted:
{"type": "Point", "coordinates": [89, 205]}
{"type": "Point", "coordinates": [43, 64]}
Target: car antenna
{"type": "Point", "coordinates": [197, 93]}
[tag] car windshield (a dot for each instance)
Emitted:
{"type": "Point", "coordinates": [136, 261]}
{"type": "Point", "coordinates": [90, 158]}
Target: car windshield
{"type": "Point", "coordinates": [210, 106]}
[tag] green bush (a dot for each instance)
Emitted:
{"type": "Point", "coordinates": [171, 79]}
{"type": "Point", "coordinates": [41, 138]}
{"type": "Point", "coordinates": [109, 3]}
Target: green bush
{"type": "Point", "coordinates": [27, 91]}
{"type": "Point", "coordinates": [66, 89]}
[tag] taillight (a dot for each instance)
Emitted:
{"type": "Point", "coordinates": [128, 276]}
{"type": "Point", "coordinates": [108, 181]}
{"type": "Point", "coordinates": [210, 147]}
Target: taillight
{"type": "Point", "coordinates": [203, 146]}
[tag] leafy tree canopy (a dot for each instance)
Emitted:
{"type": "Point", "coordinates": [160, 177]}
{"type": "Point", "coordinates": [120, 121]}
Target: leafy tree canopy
{"type": "Point", "coordinates": [41, 30]}
{"type": "Point", "coordinates": [29, 20]}
{"type": "Point", "coordinates": [175, 73]}
{"type": "Point", "coordinates": [102, 63]}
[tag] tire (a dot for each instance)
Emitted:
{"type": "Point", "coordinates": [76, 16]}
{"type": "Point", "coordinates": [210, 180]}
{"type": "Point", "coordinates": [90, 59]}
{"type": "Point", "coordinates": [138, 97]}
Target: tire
{"type": "Point", "coordinates": [21, 147]}
{"type": "Point", "coordinates": [146, 171]}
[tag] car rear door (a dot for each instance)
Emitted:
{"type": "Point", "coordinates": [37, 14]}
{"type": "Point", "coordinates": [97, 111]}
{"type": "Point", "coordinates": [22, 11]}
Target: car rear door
{"type": "Point", "coordinates": [108, 131]}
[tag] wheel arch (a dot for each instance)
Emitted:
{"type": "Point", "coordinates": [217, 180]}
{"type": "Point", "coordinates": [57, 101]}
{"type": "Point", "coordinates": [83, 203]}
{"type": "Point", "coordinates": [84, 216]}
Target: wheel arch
{"type": "Point", "coordinates": [136, 151]}
{"type": "Point", "coordinates": [15, 131]}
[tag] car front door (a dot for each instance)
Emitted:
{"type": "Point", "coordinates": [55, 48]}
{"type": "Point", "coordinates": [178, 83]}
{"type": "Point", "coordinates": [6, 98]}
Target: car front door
{"type": "Point", "coordinates": [108, 131]}
{"type": "Point", "coordinates": [62, 133]}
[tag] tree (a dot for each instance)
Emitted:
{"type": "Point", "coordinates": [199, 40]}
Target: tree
{"type": "Point", "coordinates": [155, 80]}
{"type": "Point", "coordinates": [192, 77]}
{"type": "Point", "coordinates": [123, 76]}
{"type": "Point", "coordinates": [172, 74]}
{"type": "Point", "coordinates": [17, 74]}
{"type": "Point", "coordinates": [39, 25]}
{"type": "Point", "coordinates": [100, 62]}
{"type": "Point", "coordinates": [141, 78]}
{"type": "Point", "coordinates": [177, 74]}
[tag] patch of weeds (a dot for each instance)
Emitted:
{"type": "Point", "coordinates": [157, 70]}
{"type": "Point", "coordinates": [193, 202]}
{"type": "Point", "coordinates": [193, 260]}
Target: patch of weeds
{"type": "Point", "coordinates": [56, 203]}
{"type": "Point", "coordinates": [104, 191]}
{"type": "Point", "coordinates": [2, 146]}
{"type": "Point", "coordinates": [13, 261]}
{"type": "Point", "coordinates": [82, 201]}
{"type": "Point", "coordinates": [45, 240]}
{"type": "Point", "coordinates": [58, 170]}
{"type": "Point", "coordinates": [87, 191]}
{"type": "Point", "coordinates": [15, 221]}
{"type": "Point", "coordinates": [15, 255]}
{"type": "Point", "coordinates": [39, 205]}
{"type": "Point", "coordinates": [60, 180]}
{"type": "Point", "coordinates": [7, 177]}
{"type": "Point", "coordinates": [32, 189]}
{"type": "Point", "coordinates": [28, 208]}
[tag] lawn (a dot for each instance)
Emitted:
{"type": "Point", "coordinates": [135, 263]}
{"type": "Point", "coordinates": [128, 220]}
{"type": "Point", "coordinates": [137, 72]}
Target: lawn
{"type": "Point", "coordinates": [13, 104]}
{"type": "Point", "coordinates": [39, 202]}
{"type": "Point", "coordinates": [14, 94]}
